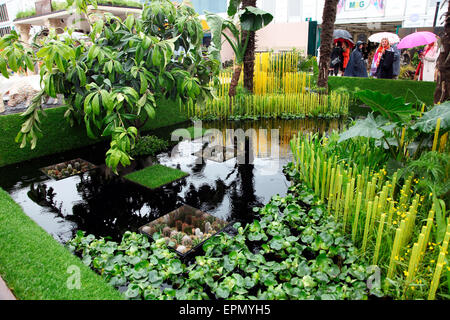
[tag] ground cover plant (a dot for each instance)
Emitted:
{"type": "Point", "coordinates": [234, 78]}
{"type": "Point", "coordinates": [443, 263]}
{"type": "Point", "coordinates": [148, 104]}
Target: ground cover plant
{"type": "Point", "coordinates": [36, 266]}
{"type": "Point", "coordinates": [155, 176]}
{"type": "Point", "coordinates": [294, 251]}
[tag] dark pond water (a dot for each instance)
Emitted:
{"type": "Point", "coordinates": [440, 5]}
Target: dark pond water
{"type": "Point", "coordinates": [104, 204]}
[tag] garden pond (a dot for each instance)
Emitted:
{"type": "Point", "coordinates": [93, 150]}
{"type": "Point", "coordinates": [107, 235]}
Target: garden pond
{"type": "Point", "coordinates": [103, 204]}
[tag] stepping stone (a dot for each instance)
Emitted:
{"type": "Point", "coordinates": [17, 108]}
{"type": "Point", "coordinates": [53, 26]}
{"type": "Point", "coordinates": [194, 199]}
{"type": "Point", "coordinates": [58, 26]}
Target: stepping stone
{"type": "Point", "coordinates": [5, 293]}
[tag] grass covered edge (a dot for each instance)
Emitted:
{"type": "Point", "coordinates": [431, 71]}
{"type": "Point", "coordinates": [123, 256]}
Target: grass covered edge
{"type": "Point", "coordinates": [36, 267]}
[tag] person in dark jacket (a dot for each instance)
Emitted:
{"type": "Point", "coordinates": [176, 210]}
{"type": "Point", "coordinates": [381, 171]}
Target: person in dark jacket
{"type": "Point", "coordinates": [385, 68]}
{"type": "Point", "coordinates": [337, 59]}
{"type": "Point", "coordinates": [357, 65]}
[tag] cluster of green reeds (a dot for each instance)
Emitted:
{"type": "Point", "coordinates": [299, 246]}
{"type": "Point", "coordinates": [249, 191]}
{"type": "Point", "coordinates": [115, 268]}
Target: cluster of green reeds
{"type": "Point", "coordinates": [385, 218]}
{"type": "Point", "coordinates": [271, 106]}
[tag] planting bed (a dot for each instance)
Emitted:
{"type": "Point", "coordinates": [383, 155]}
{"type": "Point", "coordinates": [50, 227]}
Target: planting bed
{"type": "Point", "coordinates": [184, 229]}
{"type": "Point", "coordinates": [67, 169]}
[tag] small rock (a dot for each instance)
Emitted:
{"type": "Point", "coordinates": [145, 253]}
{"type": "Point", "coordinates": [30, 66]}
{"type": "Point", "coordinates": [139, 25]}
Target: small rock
{"type": "Point", "coordinates": [182, 249]}
{"type": "Point", "coordinates": [147, 229]}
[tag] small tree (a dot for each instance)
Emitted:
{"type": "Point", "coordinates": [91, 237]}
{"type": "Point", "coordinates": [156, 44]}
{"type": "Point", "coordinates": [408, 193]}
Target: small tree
{"type": "Point", "coordinates": [442, 92]}
{"type": "Point", "coordinates": [326, 41]}
{"type": "Point", "coordinates": [251, 19]}
{"type": "Point", "coordinates": [112, 86]}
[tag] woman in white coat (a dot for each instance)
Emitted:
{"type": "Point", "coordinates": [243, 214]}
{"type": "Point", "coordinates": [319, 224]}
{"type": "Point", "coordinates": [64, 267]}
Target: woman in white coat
{"type": "Point", "coordinates": [430, 58]}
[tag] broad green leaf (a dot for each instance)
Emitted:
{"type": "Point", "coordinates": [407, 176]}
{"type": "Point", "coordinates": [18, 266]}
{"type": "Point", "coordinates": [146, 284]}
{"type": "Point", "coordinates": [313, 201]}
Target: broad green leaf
{"type": "Point", "coordinates": [393, 108]}
{"type": "Point", "coordinates": [368, 128]}
{"type": "Point", "coordinates": [428, 121]}
{"type": "Point", "coordinates": [254, 19]}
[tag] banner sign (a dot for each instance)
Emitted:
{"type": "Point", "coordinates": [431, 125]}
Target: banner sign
{"type": "Point", "coordinates": [361, 8]}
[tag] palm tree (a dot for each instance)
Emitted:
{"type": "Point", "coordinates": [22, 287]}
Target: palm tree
{"type": "Point", "coordinates": [326, 41]}
{"type": "Point", "coordinates": [442, 92]}
{"type": "Point", "coordinates": [249, 58]}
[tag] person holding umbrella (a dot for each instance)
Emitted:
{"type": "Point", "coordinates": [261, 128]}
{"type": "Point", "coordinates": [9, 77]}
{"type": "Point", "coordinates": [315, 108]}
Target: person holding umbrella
{"type": "Point", "coordinates": [357, 65]}
{"type": "Point", "coordinates": [337, 59]}
{"type": "Point", "coordinates": [383, 61]}
{"type": "Point", "coordinates": [346, 55]}
{"type": "Point", "coordinates": [427, 66]}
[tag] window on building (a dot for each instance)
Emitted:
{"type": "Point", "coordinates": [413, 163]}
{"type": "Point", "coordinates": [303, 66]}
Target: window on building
{"type": "Point", "coordinates": [432, 3]}
{"type": "Point", "coordinates": [3, 13]}
{"type": "Point", "coordinates": [294, 10]}
{"type": "Point", "coordinates": [4, 30]}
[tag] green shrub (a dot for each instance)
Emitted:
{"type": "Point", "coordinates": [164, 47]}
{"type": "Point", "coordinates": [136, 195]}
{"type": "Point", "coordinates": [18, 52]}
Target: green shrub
{"type": "Point", "coordinates": [149, 146]}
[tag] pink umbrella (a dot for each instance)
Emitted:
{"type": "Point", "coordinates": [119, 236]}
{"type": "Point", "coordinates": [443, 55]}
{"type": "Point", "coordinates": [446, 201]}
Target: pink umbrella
{"type": "Point", "coordinates": [417, 39]}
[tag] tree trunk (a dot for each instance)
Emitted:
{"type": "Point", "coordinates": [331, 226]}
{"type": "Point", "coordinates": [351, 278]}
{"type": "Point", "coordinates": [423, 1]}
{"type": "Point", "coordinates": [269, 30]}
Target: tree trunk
{"type": "Point", "coordinates": [249, 58]}
{"type": "Point", "coordinates": [442, 92]}
{"type": "Point", "coordinates": [326, 42]}
{"type": "Point", "coordinates": [235, 80]}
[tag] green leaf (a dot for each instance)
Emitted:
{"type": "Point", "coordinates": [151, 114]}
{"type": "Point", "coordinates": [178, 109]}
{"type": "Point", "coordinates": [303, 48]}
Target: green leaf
{"type": "Point", "coordinates": [393, 108]}
{"type": "Point", "coordinates": [96, 105]}
{"type": "Point", "coordinates": [254, 19]}
{"type": "Point", "coordinates": [233, 7]}
{"type": "Point", "coordinates": [12, 62]}
{"type": "Point", "coordinates": [369, 128]}
{"type": "Point", "coordinates": [150, 111]}
{"type": "Point", "coordinates": [429, 119]}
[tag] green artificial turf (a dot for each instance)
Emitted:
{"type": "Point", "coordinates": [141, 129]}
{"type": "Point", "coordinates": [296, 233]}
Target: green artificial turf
{"type": "Point", "coordinates": [193, 134]}
{"type": "Point", "coordinates": [35, 266]}
{"type": "Point", "coordinates": [424, 91]}
{"type": "Point", "coordinates": [59, 136]}
{"type": "Point", "coordinates": [155, 176]}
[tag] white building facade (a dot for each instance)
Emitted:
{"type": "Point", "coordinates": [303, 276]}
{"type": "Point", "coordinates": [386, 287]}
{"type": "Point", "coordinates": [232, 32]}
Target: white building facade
{"type": "Point", "coordinates": [410, 13]}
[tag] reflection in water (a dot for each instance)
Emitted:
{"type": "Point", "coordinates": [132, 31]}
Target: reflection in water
{"type": "Point", "coordinates": [103, 204]}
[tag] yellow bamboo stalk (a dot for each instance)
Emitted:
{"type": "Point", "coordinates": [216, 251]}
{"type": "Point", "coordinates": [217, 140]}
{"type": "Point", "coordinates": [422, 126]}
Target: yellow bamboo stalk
{"type": "Point", "coordinates": [436, 134]}
{"type": "Point", "coordinates": [367, 226]}
{"type": "Point", "coordinates": [379, 238]}
{"type": "Point", "coordinates": [355, 220]}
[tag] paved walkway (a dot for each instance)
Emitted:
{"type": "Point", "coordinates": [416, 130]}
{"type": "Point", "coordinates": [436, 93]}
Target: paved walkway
{"type": "Point", "coordinates": [5, 293]}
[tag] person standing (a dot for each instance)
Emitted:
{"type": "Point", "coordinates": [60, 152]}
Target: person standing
{"type": "Point", "coordinates": [337, 59]}
{"type": "Point", "coordinates": [397, 61]}
{"type": "Point", "coordinates": [346, 56]}
{"type": "Point", "coordinates": [429, 60]}
{"type": "Point", "coordinates": [385, 68]}
{"type": "Point", "coordinates": [384, 45]}
{"type": "Point", "coordinates": [357, 65]}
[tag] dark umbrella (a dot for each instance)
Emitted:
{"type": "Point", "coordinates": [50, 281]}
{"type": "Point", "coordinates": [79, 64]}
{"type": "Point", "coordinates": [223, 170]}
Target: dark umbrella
{"type": "Point", "coordinates": [349, 42]}
{"type": "Point", "coordinates": [343, 34]}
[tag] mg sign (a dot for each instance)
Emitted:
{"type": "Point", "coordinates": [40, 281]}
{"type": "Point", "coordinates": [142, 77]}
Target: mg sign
{"type": "Point", "coordinates": [356, 5]}
{"type": "Point", "coordinates": [354, 9]}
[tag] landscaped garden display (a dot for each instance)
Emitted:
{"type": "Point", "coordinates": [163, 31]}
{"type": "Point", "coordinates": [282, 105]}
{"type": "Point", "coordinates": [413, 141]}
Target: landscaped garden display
{"type": "Point", "coordinates": [354, 207]}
